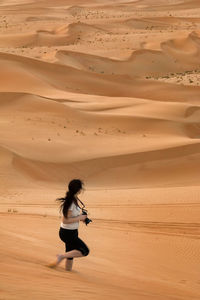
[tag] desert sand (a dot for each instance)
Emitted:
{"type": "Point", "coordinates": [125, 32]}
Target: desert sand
{"type": "Point", "coordinates": [109, 92]}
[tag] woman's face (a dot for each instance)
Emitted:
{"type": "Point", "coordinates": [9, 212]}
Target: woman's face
{"type": "Point", "coordinates": [80, 191]}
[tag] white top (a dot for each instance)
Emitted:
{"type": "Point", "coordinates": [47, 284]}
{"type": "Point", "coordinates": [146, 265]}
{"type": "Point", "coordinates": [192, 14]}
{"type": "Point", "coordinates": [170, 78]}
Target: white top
{"type": "Point", "coordinates": [75, 212]}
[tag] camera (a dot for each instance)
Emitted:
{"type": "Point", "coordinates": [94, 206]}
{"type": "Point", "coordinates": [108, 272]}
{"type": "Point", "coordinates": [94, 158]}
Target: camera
{"type": "Point", "coordinates": [87, 220]}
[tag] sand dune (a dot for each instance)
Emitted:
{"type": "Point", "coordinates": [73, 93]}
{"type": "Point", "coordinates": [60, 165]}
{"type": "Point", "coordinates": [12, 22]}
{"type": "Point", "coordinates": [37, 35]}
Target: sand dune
{"type": "Point", "coordinates": [82, 28]}
{"type": "Point", "coordinates": [105, 91]}
{"type": "Point", "coordinates": [141, 122]}
{"type": "Point", "coordinates": [64, 35]}
{"type": "Point", "coordinates": [162, 163]}
{"type": "Point", "coordinates": [186, 48]}
{"type": "Point", "coordinates": [148, 23]}
{"type": "Point", "coordinates": [160, 23]}
{"type": "Point", "coordinates": [45, 79]}
{"type": "Point", "coordinates": [41, 18]}
{"type": "Point", "coordinates": [40, 38]}
{"type": "Point", "coordinates": [177, 55]}
{"type": "Point", "coordinates": [170, 5]}
{"type": "Point", "coordinates": [154, 6]}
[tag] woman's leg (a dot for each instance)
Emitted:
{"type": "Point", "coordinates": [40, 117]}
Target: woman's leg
{"type": "Point", "coordinates": [68, 264]}
{"type": "Point", "coordinates": [84, 250]}
{"type": "Point", "coordinates": [77, 244]}
{"type": "Point", "coordinates": [82, 247]}
{"type": "Point", "coordinates": [69, 254]}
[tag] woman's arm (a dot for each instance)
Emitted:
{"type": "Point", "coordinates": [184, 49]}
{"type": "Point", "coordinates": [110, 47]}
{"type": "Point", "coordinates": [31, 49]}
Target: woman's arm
{"type": "Point", "coordinates": [71, 219]}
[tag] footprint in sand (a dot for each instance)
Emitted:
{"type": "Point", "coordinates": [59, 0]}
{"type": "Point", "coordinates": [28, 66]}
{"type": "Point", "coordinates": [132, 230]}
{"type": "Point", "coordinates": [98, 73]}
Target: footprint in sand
{"type": "Point", "coordinates": [80, 132]}
{"type": "Point", "coordinates": [183, 281]}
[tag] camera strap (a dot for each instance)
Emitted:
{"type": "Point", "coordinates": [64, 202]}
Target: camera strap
{"type": "Point", "coordinates": [81, 203]}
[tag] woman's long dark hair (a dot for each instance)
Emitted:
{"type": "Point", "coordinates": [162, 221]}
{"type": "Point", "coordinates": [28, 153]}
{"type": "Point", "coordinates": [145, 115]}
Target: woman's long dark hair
{"type": "Point", "coordinates": [74, 186]}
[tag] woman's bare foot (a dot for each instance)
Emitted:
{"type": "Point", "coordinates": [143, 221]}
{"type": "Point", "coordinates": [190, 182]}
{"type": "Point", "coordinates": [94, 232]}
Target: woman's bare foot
{"type": "Point", "coordinates": [60, 257]}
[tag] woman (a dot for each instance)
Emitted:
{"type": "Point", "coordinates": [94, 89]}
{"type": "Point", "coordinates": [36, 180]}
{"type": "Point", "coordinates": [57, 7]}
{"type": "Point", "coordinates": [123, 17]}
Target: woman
{"type": "Point", "coordinates": [68, 232]}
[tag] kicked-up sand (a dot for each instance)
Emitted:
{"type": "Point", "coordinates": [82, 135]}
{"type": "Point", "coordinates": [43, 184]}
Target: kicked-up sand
{"type": "Point", "coordinates": [108, 92]}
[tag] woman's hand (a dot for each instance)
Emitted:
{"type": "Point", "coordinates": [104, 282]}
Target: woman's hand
{"type": "Point", "coordinates": [82, 217]}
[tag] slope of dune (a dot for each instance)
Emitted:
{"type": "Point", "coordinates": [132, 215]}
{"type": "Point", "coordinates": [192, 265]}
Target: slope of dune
{"type": "Point", "coordinates": [63, 35]}
{"type": "Point", "coordinates": [40, 38]}
{"type": "Point", "coordinates": [177, 55]}
{"type": "Point", "coordinates": [154, 5]}
{"type": "Point", "coordinates": [177, 122]}
{"type": "Point", "coordinates": [47, 79]}
{"type": "Point", "coordinates": [109, 92]}
{"type": "Point", "coordinates": [160, 22]}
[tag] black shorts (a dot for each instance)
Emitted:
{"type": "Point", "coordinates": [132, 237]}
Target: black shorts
{"type": "Point", "coordinates": [72, 241]}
